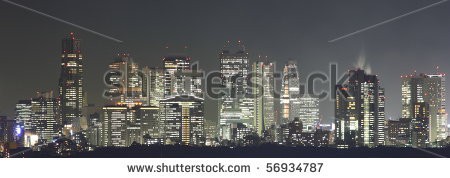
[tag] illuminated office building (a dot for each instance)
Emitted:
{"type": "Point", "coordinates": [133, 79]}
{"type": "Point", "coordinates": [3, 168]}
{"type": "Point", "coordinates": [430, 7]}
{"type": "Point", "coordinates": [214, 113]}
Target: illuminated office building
{"type": "Point", "coordinates": [180, 78]}
{"type": "Point", "coordinates": [71, 83]}
{"type": "Point", "coordinates": [153, 85]}
{"type": "Point", "coordinates": [149, 120]}
{"type": "Point", "coordinates": [263, 95]}
{"type": "Point", "coordinates": [7, 130]}
{"type": "Point", "coordinates": [114, 120]}
{"type": "Point", "coordinates": [420, 129]}
{"type": "Point", "coordinates": [318, 138]}
{"type": "Point", "coordinates": [124, 73]}
{"type": "Point", "coordinates": [173, 79]}
{"type": "Point", "coordinates": [40, 115]}
{"type": "Point", "coordinates": [424, 88]}
{"type": "Point", "coordinates": [407, 132]}
{"type": "Point", "coordinates": [175, 75]}
{"type": "Point", "coordinates": [234, 107]}
{"type": "Point", "coordinates": [94, 131]}
{"type": "Point", "coordinates": [357, 111]}
{"type": "Point", "coordinates": [211, 133]}
{"type": "Point", "coordinates": [381, 124]}
{"type": "Point", "coordinates": [122, 126]}
{"type": "Point", "coordinates": [290, 92]}
{"type": "Point", "coordinates": [399, 132]}
{"type": "Point", "coordinates": [23, 113]}
{"type": "Point", "coordinates": [290, 133]}
{"type": "Point", "coordinates": [45, 116]}
{"type": "Point", "coordinates": [309, 113]}
{"type": "Point", "coordinates": [182, 120]}
{"type": "Point", "coordinates": [346, 123]}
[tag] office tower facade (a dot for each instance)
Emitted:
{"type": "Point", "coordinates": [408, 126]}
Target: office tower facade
{"type": "Point", "coordinates": [94, 131]}
{"type": "Point", "coordinates": [7, 130]}
{"type": "Point", "coordinates": [399, 132]}
{"type": "Point", "coordinates": [45, 116]}
{"type": "Point", "coordinates": [234, 67]}
{"type": "Point", "coordinates": [114, 120]}
{"type": "Point", "coordinates": [318, 138]}
{"type": "Point", "coordinates": [180, 78]}
{"type": "Point", "coordinates": [262, 91]}
{"type": "Point", "coordinates": [71, 82]}
{"type": "Point", "coordinates": [23, 113]}
{"type": "Point", "coordinates": [346, 123]}
{"type": "Point", "coordinates": [235, 133]}
{"type": "Point", "coordinates": [357, 111]}
{"type": "Point", "coordinates": [182, 120]}
{"type": "Point", "coordinates": [211, 132]}
{"type": "Point", "coordinates": [126, 75]}
{"type": "Point", "coordinates": [420, 129]}
{"type": "Point", "coordinates": [40, 115]}
{"type": "Point", "coordinates": [290, 133]}
{"type": "Point", "coordinates": [122, 126]}
{"type": "Point", "coordinates": [290, 92]}
{"type": "Point", "coordinates": [408, 132]}
{"type": "Point", "coordinates": [174, 79]}
{"type": "Point", "coordinates": [149, 120]}
{"type": "Point", "coordinates": [309, 113]}
{"type": "Point", "coordinates": [381, 125]}
{"type": "Point", "coordinates": [153, 85]}
{"type": "Point", "coordinates": [430, 89]}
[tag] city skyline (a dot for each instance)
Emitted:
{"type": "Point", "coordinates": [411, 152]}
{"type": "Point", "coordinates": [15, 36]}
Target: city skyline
{"type": "Point", "coordinates": [248, 75]}
{"type": "Point", "coordinates": [129, 57]}
{"type": "Point", "coordinates": [247, 106]}
{"type": "Point", "coordinates": [304, 39]}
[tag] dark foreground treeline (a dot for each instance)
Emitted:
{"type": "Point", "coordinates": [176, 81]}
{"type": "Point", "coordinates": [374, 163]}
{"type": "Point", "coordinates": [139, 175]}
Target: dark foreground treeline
{"type": "Point", "coordinates": [262, 151]}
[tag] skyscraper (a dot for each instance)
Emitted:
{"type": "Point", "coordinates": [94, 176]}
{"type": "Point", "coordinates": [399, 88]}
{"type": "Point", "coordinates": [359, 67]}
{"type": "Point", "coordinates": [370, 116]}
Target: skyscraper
{"type": "Point", "coordinates": [430, 89]}
{"type": "Point", "coordinates": [309, 113]}
{"type": "Point", "coordinates": [381, 125]}
{"type": "Point", "coordinates": [125, 74]}
{"type": "Point", "coordinates": [114, 120]}
{"type": "Point", "coordinates": [71, 82]}
{"type": "Point", "coordinates": [149, 120]}
{"type": "Point", "coordinates": [23, 113]}
{"type": "Point", "coordinates": [234, 106]}
{"type": "Point", "coordinates": [153, 85]}
{"type": "Point", "coordinates": [290, 92]}
{"type": "Point", "coordinates": [346, 121]}
{"type": "Point", "coordinates": [263, 94]}
{"type": "Point", "coordinates": [290, 133]}
{"type": "Point", "coordinates": [174, 79]}
{"type": "Point", "coordinates": [7, 130]}
{"type": "Point", "coordinates": [122, 125]}
{"type": "Point", "coordinates": [358, 112]}
{"type": "Point", "coordinates": [45, 116]}
{"type": "Point", "coordinates": [182, 120]}
{"type": "Point", "coordinates": [40, 115]}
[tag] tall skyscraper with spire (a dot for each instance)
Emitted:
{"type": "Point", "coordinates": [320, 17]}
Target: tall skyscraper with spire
{"type": "Point", "coordinates": [71, 83]}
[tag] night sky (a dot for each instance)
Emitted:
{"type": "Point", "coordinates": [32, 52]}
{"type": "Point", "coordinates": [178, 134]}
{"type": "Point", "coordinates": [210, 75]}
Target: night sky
{"type": "Point", "coordinates": [300, 30]}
